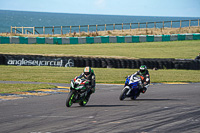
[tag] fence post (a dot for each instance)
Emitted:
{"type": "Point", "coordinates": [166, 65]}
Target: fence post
{"type": "Point", "coordinates": [138, 25]}
{"type": "Point", "coordinates": [163, 24]}
{"type": "Point", "coordinates": [189, 23]}
{"type": "Point", "coordinates": [113, 26]}
{"type": "Point", "coordinates": [171, 24]}
{"type": "Point", "coordinates": [53, 30]}
{"type": "Point", "coordinates": [70, 31]}
{"type": "Point", "coordinates": [61, 30]}
{"type": "Point", "coordinates": [22, 30]}
{"type": "Point", "coordinates": [146, 25]}
{"type": "Point", "coordinates": [130, 26]}
{"type": "Point", "coordinates": [180, 24]}
{"type": "Point", "coordinates": [33, 30]}
{"type": "Point", "coordinates": [43, 30]}
{"type": "Point", "coordinates": [96, 27]}
{"type": "Point", "coordinates": [11, 29]}
{"type": "Point", "coordinates": [122, 27]}
{"type": "Point", "coordinates": [79, 29]}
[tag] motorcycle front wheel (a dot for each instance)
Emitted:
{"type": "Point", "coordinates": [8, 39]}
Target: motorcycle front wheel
{"type": "Point", "coordinates": [70, 98]}
{"type": "Point", "coordinates": [123, 94]}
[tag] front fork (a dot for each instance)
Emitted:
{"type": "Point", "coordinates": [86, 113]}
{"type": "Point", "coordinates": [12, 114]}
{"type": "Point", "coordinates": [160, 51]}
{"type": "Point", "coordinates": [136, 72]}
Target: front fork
{"type": "Point", "coordinates": [129, 90]}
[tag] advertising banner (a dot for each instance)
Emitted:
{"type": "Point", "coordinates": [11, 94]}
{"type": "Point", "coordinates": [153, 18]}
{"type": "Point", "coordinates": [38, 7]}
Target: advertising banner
{"type": "Point", "coordinates": [28, 60]}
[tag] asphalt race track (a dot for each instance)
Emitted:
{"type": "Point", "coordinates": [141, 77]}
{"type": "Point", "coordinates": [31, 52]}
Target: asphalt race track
{"type": "Point", "coordinates": [163, 108]}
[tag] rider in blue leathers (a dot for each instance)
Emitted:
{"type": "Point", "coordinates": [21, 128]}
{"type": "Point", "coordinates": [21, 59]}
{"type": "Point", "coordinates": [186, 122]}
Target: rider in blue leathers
{"type": "Point", "coordinates": [146, 80]}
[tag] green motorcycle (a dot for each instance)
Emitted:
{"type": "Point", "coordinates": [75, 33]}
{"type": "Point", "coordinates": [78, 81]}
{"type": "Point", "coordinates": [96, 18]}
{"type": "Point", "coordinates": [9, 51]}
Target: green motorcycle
{"type": "Point", "coordinates": [78, 92]}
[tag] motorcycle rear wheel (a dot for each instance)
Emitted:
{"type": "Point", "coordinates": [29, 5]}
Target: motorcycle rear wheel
{"type": "Point", "coordinates": [135, 97]}
{"type": "Point", "coordinates": [83, 103]}
{"type": "Point", "coordinates": [123, 94]}
{"type": "Point", "coordinates": [69, 100]}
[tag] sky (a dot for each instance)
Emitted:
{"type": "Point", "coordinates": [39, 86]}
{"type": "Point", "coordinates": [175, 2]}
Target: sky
{"type": "Point", "coordinates": [175, 8]}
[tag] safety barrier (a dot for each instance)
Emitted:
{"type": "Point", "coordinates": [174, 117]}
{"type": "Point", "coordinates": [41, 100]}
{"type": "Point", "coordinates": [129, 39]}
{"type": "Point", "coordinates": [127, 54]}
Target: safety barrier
{"type": "Point", "coordinates": [39, 60]}
{"type": "Point", "coordinates": [97, 39]}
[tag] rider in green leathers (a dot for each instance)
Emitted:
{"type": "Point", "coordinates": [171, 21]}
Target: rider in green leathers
{"type": "Point", "coordinates": [89, 75]}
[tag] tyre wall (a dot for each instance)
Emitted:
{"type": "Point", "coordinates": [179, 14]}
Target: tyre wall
{"type": "Point", "coordinates": [62, 61]}
{"type": "Point", "coordinates": [97, 39]}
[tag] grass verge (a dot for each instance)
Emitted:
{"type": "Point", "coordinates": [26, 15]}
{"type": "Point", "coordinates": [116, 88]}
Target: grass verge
{"type": "Point", "coordinates": [175, 49]}
{"type": "Point", "coordinates": [172, 49]}
{"type": "Point", "coordinates": [9, 88]}
{"type": "Point", "coordinates": [103, 75]}
{"type": "Point", "coordinates": [64, 75]}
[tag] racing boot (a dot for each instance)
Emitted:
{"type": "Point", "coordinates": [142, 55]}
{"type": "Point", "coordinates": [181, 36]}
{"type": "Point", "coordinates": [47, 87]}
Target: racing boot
{"type": "Point", "coordinates": [143, 90]}
{"type": "Point", "coordinates": [88, 95]}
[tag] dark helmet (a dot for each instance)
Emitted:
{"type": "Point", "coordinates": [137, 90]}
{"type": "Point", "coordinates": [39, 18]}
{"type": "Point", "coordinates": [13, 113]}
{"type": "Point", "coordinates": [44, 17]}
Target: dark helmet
{"type": "Point", "coordinates": [143, 69]}
{"type": "Point", "coordinates": [87, 71]}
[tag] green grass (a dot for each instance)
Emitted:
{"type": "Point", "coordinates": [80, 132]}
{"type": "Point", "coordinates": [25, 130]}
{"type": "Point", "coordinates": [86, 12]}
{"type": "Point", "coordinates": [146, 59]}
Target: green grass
{"type": "Point", "coordinates": [174, 49]}
{"type": "Point", "coordinates": [9, 88]}
{"type": "Point", "coordinates": [103, 75]}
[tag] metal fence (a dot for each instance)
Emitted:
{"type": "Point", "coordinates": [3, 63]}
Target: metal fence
{"type": "Point", "coordinates": [103, 27]}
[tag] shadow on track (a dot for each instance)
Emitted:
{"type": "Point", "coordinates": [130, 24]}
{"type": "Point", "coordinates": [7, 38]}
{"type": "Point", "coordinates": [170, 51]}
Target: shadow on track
{"type": "Point", "coordinates": [108, 105]}
{"type": "Point", "coordinates": [155, 100]}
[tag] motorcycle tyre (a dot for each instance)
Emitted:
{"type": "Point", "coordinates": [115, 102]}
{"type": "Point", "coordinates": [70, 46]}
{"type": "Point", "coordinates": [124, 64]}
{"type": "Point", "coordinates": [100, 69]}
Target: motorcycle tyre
{"type": "Point", "coordinates": [69, 100]}
{"type": "Point", "coordinates": [135, 97]}
{"type": "Point", "coordinates": [123, 94]}
{"type": "Point", "coordinates": [83, 103]}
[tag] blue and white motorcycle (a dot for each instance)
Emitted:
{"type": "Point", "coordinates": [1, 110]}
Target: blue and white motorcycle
{"type": "Point", "coordinates": [131, 87]}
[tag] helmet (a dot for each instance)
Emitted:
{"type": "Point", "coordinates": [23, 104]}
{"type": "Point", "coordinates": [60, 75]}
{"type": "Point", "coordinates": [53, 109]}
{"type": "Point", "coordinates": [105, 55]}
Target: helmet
{"type": "Point", "coordinates": [87, 71]}
{"type": "Point", "coordinates": [143, 69]}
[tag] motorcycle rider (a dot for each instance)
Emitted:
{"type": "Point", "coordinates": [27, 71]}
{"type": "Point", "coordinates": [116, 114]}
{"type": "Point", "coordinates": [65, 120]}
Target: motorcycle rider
{"type": "Point", "coordinates": [146, 78]}
{"type": "Point", "coordinates": [89, 75]}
